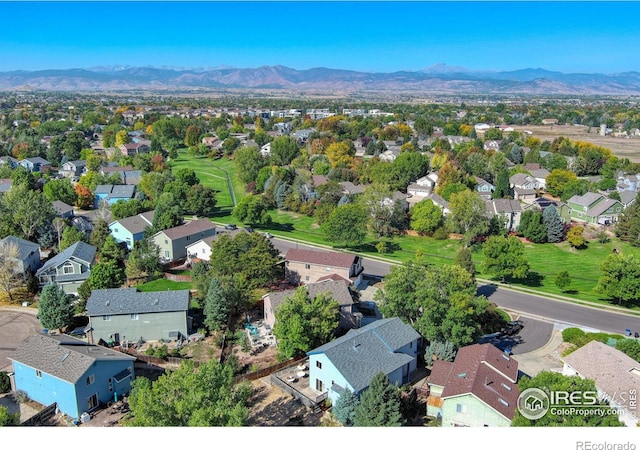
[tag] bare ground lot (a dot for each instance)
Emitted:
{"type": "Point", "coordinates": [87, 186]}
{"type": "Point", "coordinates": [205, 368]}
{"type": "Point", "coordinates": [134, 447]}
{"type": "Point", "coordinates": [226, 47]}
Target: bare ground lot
{"type": "Point", "coordinates": [620, 147]}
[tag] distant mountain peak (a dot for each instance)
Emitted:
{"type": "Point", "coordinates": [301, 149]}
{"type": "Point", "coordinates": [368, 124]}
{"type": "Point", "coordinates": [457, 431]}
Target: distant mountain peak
{"type": "Point", "coordinates": [443, 68]}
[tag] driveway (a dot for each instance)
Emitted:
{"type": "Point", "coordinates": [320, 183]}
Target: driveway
{"type": "Point", "coordinates": [16, 325]}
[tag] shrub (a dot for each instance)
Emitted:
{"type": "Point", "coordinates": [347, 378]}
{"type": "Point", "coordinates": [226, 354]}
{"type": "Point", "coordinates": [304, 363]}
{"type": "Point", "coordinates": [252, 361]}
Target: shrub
{"type": "Point", "coordinates": [440, 234]}
{"type": "Point", "coordinates": [5, 383]}
{"type": "Point", "coordinates": [572, 335]}
{"type": "Point", "coordinates": [162, 352]}
{"type": "Point", "coordinates": [21, 396]}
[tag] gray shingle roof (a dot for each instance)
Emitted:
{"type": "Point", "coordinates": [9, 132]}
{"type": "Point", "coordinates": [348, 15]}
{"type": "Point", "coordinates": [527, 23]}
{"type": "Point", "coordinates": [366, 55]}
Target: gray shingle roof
{"type": "Point", "coordinates": [25, 248]}
{"type": "Point", "coordinates": [361, 353]}
{"type": "Point", "coordinates": [136, 224]}
{"type": "Point", "coordinates": [188, 229]}
{"type": "Point", "coordinates": [601, 207]}
{"type": "Point", "coordinates": [130, 300]}
{"type": "Point", "coordinates": [585, 200]}
{"type": "Point", "coordinates": [63, 356]}
{"type": "Point", "coordinates": [80, 250]}
{"type": "Point", "coordinates": [61, 207]}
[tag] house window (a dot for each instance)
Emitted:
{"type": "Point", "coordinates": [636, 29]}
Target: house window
{"type": "Point", "coordinates": [166, 241]}
{"type": "Point", "coordinates": [461, 408]}
{"type": "Point", "coordinates": [92, 402]}
{"type": "Point", "coordinates": [67, 268]}
{"type": "Point", "coordinates": [306, 278]}
{"type": "Point", "coordinates": [90, 379]}
{"type": "Point", "coordinates": [106, 318]}
{"type": "Point", "coordinates": [319, 385]}
{"type": "Point", "coordinates": [134, 316]}
{"type": "Point", "coordinates": [318, 364]}
{"type": "Point", "coordinates": [38, 373]}
{"type": "Point", "coordinates": [166, 254]}
{"type": "Point", "coordinates": [307, 266]}
{"type": "Point", "coordinates": [116, 230]}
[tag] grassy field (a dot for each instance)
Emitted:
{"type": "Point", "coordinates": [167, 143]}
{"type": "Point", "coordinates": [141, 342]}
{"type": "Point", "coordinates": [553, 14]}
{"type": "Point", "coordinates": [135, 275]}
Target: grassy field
{"type": "Point", "coordinates": [212, 174]}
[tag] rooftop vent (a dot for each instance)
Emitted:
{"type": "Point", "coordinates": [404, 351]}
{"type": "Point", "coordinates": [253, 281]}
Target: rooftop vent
{"type": "Point", "coordinates": [107, 303]}
{"type": "Point", "coordinates": [156, 301]}
{"type": "Point", "coordinates": [462, 375]}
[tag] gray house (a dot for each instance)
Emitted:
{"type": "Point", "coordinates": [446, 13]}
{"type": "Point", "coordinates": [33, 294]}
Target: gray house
{"type": "Point", "coordinates": [117, 315]}
{"type": "Point", "coordinates": [28, 253]}
{"type": "Point", "coordinates": [173, 242]}
{"type": "Point", "coordinates": [62, 209]}
{"type": "Point", "coordinates": [70, 268]}
{"type": "Point", "coordinates": [72, 169]}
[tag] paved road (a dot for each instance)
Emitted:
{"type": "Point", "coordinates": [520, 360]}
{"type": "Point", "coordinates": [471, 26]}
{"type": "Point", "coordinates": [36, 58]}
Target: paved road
{"type": "Point", "coordinates": [15, 326]}
{"type": "Point", "coordinates": [531, 305]}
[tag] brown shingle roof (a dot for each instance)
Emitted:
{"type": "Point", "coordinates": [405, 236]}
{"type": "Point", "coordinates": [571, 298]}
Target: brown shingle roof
{"type": "Point", "coordinates": [331, 259]}
{"type": "Point", "coordinates": [487, 373]}
{"type": "Point", "coordinates": [189, 228]}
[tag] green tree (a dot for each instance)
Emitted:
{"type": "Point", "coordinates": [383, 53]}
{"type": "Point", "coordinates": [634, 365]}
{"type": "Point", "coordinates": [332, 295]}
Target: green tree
{"type": "Point", "coordinates": [532, 226]}
{"type": "Point", "coordinates": [630, 347]}
{"type": "Point", "coordinates": [580, 416]}
{"type": "Point", "coordinates": [283, 150]}
{"type": "Point", "coordinates": [426, 217]}
{"type": "Point", "coordinates": [7, 418]}
{"type": "Point", "coordinates": [5, 383]}
{"type": "Point", "coordinates": [54, 308]}
{"type": "Point", "coordinates": [620, 277]}
{"type": "Point", "coordinates": [70, 236]}
{"type": "Point", "coordinates": [553, 223]}
{"type": "Point", "coordinates": [224, 300]}
{"type": "Point", "coordinates": [628, 228]}
{"type": "Point", "coordinates": [467, 216]}
{"type": "Point", "coordinates": [557, 179]}
{"type": "Point", "coordinates": [505, 257]}
{"type": "Point", "coordinates": [400, 296]}
{"type": "Point", "coordinates": [252, 210]}
{"type": "Point", "coordinates": [344, 410]}
{"type": "Point", "coordinates": [11, 274]}
{"type": "Point", "coordinates": [346, 225]}
{"type": "Point", "coordinates": [28, 210]}
{"type": "Point", "coordinates": [208, 398]}
{"type": "Point", "coordinates": [106, 274]}
{"type": "Point", "coordinates": [128, 208]}
{"type": "Point", "coordinates": [100, 233]}
{"type": "Point", "coordinates": [503, 188]}
{"type": "Point", "coordinates": [248, 162]}
{"type": "Point", "coordinates": [304, 323]}
{"type": "Point", "coordinates": [60, 189]}
{"type": "Point", "coordinates": [250, 255]}
{"type": "Point", "coordinates": [562, 280]}
{"type": "Point", "coordinates": [168, 213]}
{"type": "Point", "coordinates": [144, 261]}
{"type": "Point", "coordinates": [386, 216]}
{"type": "Point", "coordinates": [379, 405]}
{"type": "Point", "coordinates": [192, 137]}
{"type": "Point", "coordinates": [464, 259]}
{"type": "Point", "coordinates": [201, 201]}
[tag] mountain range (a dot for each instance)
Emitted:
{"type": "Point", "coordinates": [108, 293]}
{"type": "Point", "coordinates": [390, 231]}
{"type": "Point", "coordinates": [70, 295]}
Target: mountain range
{"type": "Point", "coordinates": [437, 79]}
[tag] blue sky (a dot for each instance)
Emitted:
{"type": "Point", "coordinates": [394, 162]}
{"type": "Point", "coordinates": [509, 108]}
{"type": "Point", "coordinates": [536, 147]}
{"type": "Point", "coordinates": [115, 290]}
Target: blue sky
{"type": "Point", "coordinates": [377, 36]}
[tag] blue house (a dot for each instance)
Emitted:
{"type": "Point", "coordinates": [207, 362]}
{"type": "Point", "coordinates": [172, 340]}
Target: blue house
{"type": "Point", "coordinates": [131, 229]}
{"type": "Point", "coordinates": [77, 376]}
{"type": "Point", "coordinates": [350, 362]}
{"type": "Point", "coordinates": [36, 164]}
{"type": "Point", "coordinates": [114, 192]}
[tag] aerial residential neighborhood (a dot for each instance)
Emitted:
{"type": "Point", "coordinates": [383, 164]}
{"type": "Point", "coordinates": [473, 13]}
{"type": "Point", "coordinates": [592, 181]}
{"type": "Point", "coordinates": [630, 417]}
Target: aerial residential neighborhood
{"type": "Point", "coordinates": [347, 248]}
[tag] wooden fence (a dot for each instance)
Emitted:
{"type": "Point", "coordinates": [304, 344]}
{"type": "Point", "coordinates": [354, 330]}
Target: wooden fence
{"type": "Point", "coordinates": [174, 277]}
{"type": "Point", "coordinates": [266, 371]}
{"type": "Point", "coordinates": [42, 417]}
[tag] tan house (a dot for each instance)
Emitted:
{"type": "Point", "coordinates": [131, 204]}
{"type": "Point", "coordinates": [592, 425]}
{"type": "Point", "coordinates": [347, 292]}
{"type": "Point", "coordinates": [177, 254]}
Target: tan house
{"type": "Point", "coordinates": [173, 242]}
{"type": "Point", "coordinates": [309, 266]}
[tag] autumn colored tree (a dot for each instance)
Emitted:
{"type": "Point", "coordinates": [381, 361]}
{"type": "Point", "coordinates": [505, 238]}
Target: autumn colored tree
{"type": "Point", "coordinates": [340, 154]}
{"type": "Point", "coordinates": [85, 197]}
{"type": "Point", "coordinates": [122, 137]}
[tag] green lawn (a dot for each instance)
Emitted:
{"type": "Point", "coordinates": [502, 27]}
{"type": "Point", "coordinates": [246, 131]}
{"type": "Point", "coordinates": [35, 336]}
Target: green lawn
{"type": "Point", "coordinates": [162, 284]}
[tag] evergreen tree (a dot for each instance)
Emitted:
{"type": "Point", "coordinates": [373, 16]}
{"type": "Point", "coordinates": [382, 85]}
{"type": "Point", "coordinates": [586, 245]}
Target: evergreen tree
{"type": "Point", "coordinates": [532, 226]}
{"type": "Point", "coordinates": [99, 233]}
{"type": "Point", "coordinates": [379, 405]}
{"type": "Point", "coordinates": [563, 280]}
{"type": "Point", "coordinates": [54, 308]}
{"type": "Point", "coordinates": [345, 408]}
{"type": "Point", "coordinates": [464, 260]}
{"type": "Point", "coordinates": [555, 227]}
{"type": "Point", "coordinates": [502, 185]}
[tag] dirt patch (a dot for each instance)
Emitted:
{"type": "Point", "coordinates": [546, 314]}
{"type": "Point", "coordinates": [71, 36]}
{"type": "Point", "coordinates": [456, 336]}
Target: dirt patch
{"type": "Point", "coordinates": [270, 406]}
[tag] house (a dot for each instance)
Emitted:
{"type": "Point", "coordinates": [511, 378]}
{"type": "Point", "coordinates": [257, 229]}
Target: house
{"type": "Point", "coordinates": [628, 182]}
{"type": "Point", "coordinates": [338, 290]}
{"type": "Point", "coordinates": [308, 266]}
{"type": "Point", "coordinates": [484, 188]}
{"type": "Point", "coordinates": [28, 255]}
{"type": "Point", "coordinates": [350, 362]}
{"type": "Point", "coordinates": [131, 229]}
{"type": "Point", "coordinates": [351, 189]}
{"type": "Point", "coordinates": [201, 250]}
{"type": "Point", "coordinates": [627, 198]}
{"type": "Point", "coordinates": [118, 315]}
{"type": "Point", "coordinates": [265, 150]}
{"type": "Point", "coordinates": [78, 377]}
{"type": "Point", "coordinates": [110, 169]}
{"type": "Point", "coordinates": [5, 184]}
{"type": "Point", "coordinates": [72, 169]}
{"type": "Point", "coordinates": [173, 242]}
{"type": "Point", "coordinates": [134, 148]}
{"type": "Point", "coordinates": [9, 161]}
{"type": "Point", "coordinates": [617, 376]}
{"type": "Point", "coordinates": [549, 121]}
{"type": "Point", "coordinates": [113, 192]}
{"type": "Point", "coordinates": [593, 208]}
{"type": "Point", "coordinates": [540, 176]}
{"type": "Point", "coordinates": [541, 203]}
{"type": "Point", "coordinates": [477, 389]}
{"type": "Point", "coordinates": [62, 210]}
{"type": "Point", "coordinates": [440, 203]}
{"type": "Point", "coordinates": [523, 187]}
{"type": "Point", "coordinates": [491, 144]}
{"type": "Point", "coordinates": [69, 268]}
{"type": "Point", "coordinates": [130, 176]}
{"type": "Point", "coordinates": [509, 210]}
{"type": "Point", "coordinates": [35, 164]}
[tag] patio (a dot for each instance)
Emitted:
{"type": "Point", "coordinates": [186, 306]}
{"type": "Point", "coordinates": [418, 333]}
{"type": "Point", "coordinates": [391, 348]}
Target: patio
{"type": "Point", "coordinates": [295, 380]}
{"type": "Point", "coordinates": [260, 335]}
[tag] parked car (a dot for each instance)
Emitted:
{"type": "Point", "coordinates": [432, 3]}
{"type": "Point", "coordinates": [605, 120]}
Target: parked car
{"type": "Point", "coordinates": [248, 229]}
{"type": "Point", "coordinates": [512, 327]}
{"type": "Point", "coordinates": [231, 226]}
{"type": "Point", "coordinates": [268, 235]}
